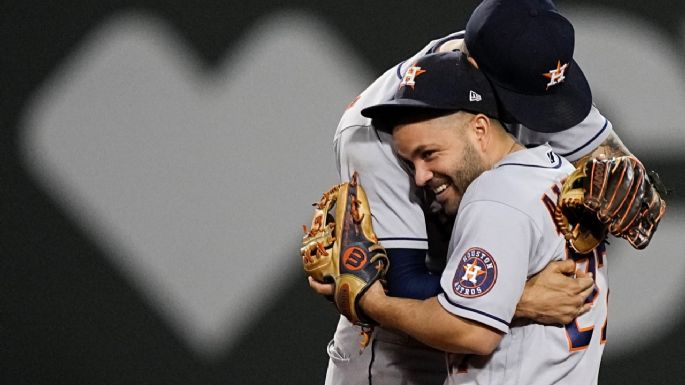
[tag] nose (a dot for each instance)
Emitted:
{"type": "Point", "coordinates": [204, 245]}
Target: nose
{"type": "Point", "coordinates": [422, 175]}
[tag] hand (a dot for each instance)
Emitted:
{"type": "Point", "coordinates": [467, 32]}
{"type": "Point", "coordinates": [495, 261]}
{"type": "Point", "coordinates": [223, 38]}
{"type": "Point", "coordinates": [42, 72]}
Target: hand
{"type": "Point", "coordinates": [372, 296]}
{"type": "Point", "coordinates": [553, 296]}
{"type": "Point", "coordinates": [343, 249]}
{"type": "Point", "coordinates": [325, 289]}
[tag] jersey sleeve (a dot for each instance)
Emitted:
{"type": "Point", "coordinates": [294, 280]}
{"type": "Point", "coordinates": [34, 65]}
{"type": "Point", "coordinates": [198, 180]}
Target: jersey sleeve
{"type": "Point", "coordinates": [573, 143]}
{"type": "Point", "coordinates": [488, 263]}
{"type": "Point", "coordinates": [395, 202]}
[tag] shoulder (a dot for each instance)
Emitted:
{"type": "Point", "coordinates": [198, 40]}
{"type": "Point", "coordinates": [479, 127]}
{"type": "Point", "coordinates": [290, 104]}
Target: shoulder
{"type": "Point", "coordinates": [520, 180]}
{"type": "Point", "coordinates": [574, 142]}
{"type": "Point", "coordinates": [379, 91]}
{"type": "Point", "coordinates": [384, 87]}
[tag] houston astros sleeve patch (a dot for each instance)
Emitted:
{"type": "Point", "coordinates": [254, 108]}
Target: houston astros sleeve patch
{"type": "Point", "coordinates": [476, 273]}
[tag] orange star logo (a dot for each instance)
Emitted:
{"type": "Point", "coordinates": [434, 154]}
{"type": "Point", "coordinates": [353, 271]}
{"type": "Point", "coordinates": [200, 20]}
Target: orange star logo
{"type": "Point", "coordinates": [556, 75]}
{"type": "Point", "coordinates": [409, 78]}
{"type": "Point", "coordinates": [471, 272]}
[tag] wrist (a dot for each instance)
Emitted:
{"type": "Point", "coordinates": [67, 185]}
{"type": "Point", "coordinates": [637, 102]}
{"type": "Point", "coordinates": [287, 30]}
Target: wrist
{"type": "Point", "coordinates": [522, 314]}
{"type": "Point", "coordinates": [372, 301]}
{"type": "Point", "coordinates": [524, 311]}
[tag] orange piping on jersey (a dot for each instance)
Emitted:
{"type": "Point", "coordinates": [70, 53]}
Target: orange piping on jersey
{"type": "Point", "coordinates": [586, 261]}
{"type": "Point", "coordinates": [587, 270]}
{"type": "Point", "coordinates": [582, 330]}
{"type": "Point", "coordinates": [600, 257]}
{"type": "Point", "coordinates": [550, 205]}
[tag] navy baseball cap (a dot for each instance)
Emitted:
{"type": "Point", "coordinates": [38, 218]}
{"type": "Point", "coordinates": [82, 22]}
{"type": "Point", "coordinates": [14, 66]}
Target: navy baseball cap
{"type": "Point", "coordinates": [437, 84]}
{"type": "Point", "coordinates": [525, 47]}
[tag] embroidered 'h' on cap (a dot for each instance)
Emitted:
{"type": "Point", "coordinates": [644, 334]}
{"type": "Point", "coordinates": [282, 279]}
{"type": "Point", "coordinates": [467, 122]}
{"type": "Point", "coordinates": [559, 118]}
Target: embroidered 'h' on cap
{"type": "Point", "coordinates": [438, 83]}
{"type": "Point", "coordinates": [525, 48]}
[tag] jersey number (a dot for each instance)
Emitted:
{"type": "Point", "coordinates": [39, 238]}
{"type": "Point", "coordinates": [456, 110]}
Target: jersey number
{"type": "Point", "coordinates": [579, 337]}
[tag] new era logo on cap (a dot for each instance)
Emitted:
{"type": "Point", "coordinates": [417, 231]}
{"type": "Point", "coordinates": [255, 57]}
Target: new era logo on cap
{"type": "Point", "coordinates": [474, 96]}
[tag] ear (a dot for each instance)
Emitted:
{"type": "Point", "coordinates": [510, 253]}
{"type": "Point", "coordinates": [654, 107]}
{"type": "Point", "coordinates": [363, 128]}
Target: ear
{"type": "Point", "coordinates": [482, 128]}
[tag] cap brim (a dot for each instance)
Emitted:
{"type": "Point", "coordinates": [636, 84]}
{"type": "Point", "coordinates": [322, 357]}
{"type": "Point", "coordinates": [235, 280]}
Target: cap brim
{"type": "Point", "coordinates": [558, 110]}
{"type": "Point", "coordinates": [386, 115]}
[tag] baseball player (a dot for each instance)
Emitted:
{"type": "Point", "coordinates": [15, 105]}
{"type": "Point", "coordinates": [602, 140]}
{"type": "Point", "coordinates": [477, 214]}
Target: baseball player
{"type": "Point", "coordinates": [445, 125]}
{"type": "Point", "coordinates": [399, 217]}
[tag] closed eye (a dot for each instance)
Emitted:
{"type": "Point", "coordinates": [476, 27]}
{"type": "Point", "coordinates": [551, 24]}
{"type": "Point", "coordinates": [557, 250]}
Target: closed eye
{"type": "Point", "coordinates": [427, 154]}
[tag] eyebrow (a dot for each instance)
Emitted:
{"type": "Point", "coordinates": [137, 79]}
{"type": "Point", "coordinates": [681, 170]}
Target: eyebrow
{"type": "Point", "coordinates": [408, 157]}
{"type": "Point", "coordinates": [418, 150]}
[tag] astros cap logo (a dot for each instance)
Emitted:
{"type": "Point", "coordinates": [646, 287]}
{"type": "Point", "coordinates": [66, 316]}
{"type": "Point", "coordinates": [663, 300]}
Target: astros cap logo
{"type": "Point", "coordinates": [476, 273]}
{"type": "Point", "coordinates": [556, 75]}
{"type": "Point", "coordinates": [410, 76]}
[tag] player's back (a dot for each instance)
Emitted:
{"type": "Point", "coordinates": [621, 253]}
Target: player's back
{"type": "Point", "coordinates": [398, 221]}
{"type": "Point", "coordinates": [396, 205]}
{"type": "Point", "coordinates": [513, 201]}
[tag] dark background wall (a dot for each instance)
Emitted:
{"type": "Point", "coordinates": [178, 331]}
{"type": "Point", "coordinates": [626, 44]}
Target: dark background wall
{"type": "Point", "coordinates": [153, 162]}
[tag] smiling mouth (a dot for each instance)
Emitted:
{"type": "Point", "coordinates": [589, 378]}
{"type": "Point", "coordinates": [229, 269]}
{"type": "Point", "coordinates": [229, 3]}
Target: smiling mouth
{"type": "Point", "coordinates": [440, 189]}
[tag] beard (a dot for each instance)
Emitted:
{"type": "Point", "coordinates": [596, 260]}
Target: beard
{"type": "Point", "coordinates": [472, 165]}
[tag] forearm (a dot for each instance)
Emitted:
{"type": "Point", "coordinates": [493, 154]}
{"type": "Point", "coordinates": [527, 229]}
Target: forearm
{"type": "Point", "coordinates": [545, 309]}
{"type": "Point", "coordinates": [555, 296]}
{"type": "Point", "coordinates": [525, 309]}
{"type": "Point", "coordinates": [428, 322]}
{"type": "Point", "coordinates": [611, 147]}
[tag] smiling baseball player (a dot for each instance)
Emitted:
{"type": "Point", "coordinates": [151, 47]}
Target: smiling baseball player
{"type": "Point", "coordinates": [446, 126]}
{"type": "Point", "coordinates": [398, 206]}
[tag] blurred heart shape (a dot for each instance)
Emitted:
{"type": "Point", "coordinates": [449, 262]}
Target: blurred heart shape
{"type": "Point", "coordinates": [195, 180]}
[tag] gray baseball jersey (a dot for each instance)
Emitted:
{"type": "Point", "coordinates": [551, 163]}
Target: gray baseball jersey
{"type": "Point", "coordinates": [399, 223]}
{"type": "Point", "coordinates": [505, 233]}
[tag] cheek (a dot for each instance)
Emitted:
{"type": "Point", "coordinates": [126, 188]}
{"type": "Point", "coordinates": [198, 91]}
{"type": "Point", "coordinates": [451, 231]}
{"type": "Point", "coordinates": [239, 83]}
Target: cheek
{"type": "Point", "coordinates": [451, 166]}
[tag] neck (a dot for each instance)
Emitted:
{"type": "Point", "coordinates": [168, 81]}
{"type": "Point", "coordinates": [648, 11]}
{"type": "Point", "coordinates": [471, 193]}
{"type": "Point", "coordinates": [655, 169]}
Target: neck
{"type": "Point", "coordinates": [506, 144]}
{"type": "Point", "coordinates": [515, 146]}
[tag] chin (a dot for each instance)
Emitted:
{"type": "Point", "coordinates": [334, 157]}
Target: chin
{"type": "Point", "coordinates": [451, 208]}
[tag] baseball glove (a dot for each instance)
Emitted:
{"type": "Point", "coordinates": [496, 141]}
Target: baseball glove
{"type": "Point", "coordinates": [344, 249]}
{"type": "Point", "coordinates": [608, 195]}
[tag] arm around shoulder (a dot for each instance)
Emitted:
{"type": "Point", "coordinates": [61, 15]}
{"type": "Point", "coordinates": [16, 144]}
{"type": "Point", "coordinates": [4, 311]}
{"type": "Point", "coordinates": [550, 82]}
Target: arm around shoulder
{"type": "Point", "coordinates": [428, 322]}
{"type": "Point", "coordinates": [611, 147]}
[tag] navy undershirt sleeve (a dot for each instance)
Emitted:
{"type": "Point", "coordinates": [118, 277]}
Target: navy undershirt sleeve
{"type": "Point", "coordinates": [408, 275]}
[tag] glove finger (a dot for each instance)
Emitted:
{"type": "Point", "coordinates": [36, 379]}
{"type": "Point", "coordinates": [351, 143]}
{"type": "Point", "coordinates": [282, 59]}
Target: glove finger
{"type": "Point", "coordinates": [618, 182]}
{"type": "Point", "coordinates": [318, 242]}
{"type": "Point", "coordinates": [641, 234]}
{"type": "Point", "coordinates": [626, 214]}
{"type": "Point", "coordinates": [595, 183]}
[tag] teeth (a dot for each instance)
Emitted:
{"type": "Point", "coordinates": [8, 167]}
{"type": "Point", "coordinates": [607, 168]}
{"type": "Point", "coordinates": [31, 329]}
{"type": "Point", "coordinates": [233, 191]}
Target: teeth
{"type": "Point", "coordinates": [440, 188]}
